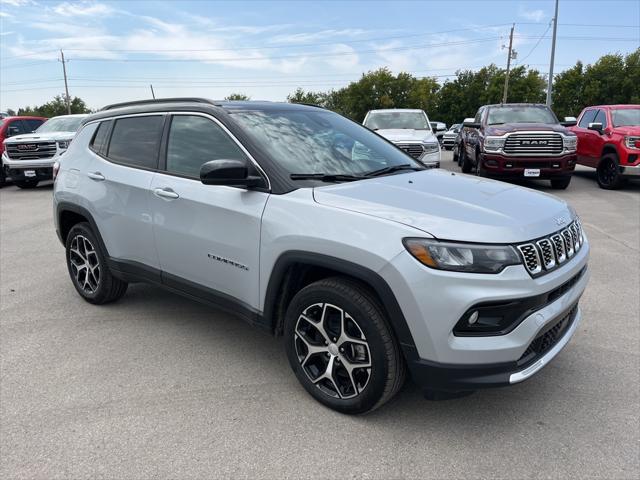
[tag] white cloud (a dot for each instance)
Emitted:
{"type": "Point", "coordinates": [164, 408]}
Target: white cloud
{"type": "Point", "coordinates": [532, 15]}
{"type": "Point", "coordinates": [320, 35]}
{"type": "Point", "coordinates": [15, 3]}
{"type": "Point", "coordinates": [346, 59]}
{"type": "Point", "coordinates": [82, 9]}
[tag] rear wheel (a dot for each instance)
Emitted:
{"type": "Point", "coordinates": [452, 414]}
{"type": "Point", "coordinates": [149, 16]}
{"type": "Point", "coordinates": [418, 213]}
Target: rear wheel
{"type": "Point", "coordinates": [608, 173]}
{"type": "Point", "coordinates": [3, 176]}
{"type": "Point", "coordinates": [560, 183]}
{"type": "Point", "coordinates": [341, 348]}
{"type": "Point", "coordinates": [26, 184]}
{"type": "Point", "coordinates": [88, 268]}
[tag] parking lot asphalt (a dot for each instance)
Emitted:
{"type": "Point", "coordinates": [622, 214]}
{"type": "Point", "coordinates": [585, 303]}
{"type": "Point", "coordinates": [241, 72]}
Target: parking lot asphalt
{"type": "Point", "coordinates": [157, 386]}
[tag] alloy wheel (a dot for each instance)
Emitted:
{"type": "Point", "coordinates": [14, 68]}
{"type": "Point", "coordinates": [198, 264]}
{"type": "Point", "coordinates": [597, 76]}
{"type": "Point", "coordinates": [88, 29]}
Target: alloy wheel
{"type": "Point", "coordinates": [85, 264]}
{"type": "Point", "coordinates": [332, 350]}
{"type": "Point", "coordinates": [608, 173]}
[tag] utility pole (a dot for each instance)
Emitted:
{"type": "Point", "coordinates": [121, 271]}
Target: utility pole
{"type": "Point", "coordinates": [66, 85]}
{"type": "Point", "coordinates": [152, 93]}
{"type": "Point", "coordinates": [553, 56]}
{"type": "Point", "coordinates": [506, 78]}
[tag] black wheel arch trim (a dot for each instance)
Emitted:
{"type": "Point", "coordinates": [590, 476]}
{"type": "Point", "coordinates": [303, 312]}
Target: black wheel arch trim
{"type": "Point", "coordinates": [389, 302]}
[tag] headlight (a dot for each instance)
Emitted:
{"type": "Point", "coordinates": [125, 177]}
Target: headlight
{"type": "Point", "coordinates": [462, 257]}
{"type": "Point", "coordinates": [570, 143]}
{"type": "Point", "coordinates": [494, 143]}
{"type": "Point", "coordinates": [632, 142]}
{"type": "Point", "coordinates": [63, 144]}
{"type": "Point", "coordinates": [431, 147]}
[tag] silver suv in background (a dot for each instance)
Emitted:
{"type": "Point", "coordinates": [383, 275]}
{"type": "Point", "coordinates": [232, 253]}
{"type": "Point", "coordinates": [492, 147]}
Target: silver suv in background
{"type": "Point", "coordinates": [312, 227]}
{"type": "Point", "coordinates": [449, 137]}
{"type": "Point", "coordinates": [29, 159]}
{"type": "Point", "coordinates": [409, 130]}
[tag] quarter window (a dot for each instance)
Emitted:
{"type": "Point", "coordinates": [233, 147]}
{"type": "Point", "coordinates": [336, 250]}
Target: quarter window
{"type": "Point", "coordinates": [135, 141]}
{"type": "Point", "coordinates": [99, 142]}
{"type": "Point", "coordinates": [195, 140]}
{"type": "Point", "coordinates": [587, 118]}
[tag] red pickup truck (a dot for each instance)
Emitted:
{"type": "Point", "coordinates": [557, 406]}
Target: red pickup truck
{"type": "Point", "coordinates": [609, 141]}
{"type": "Point", "coordinates": [11, 126]}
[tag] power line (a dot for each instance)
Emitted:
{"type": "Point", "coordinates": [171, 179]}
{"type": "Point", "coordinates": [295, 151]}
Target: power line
{"type": "Point", "coordinates": [536, 45]}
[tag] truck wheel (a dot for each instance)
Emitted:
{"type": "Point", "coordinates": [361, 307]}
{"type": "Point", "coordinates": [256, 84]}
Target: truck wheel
{"type": "Point", "coordinates": [560, 183]}
{"type": "Point", "coordinates": [88, 268]}
{"type": "Point", "coordinates": [341, 348]}
{"type": "Point", "coordinates": [464, 161]}
{"type": "Point", "coordinates": [608, 172]}
{"type": "Point", "coordinates": [478, 170]}
{"type": "Point", "coordinates": [3, 176]}
{"type": "Point", "coordinates": [26, 184]}
{"type": "Point", "coordinates": [455, 154]}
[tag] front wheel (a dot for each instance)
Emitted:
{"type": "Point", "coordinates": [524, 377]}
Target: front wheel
{"type": "Point", "coordinates": [88, 268]}
{"type": "Point", "coordinates": [608, 173]}
{"type": "Point", "coordinates": [26, 184]}
{"type": "Point", "coordinates": [341, 348]}
{"type": "Point", "coordinates": [560, 183]}
{"type": "Point", "coordinates": [464, 161]}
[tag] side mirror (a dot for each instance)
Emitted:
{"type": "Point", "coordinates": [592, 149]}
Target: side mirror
{"type": "Point", "coordinates": [597, 127]}
{"type": "Point", "coordinates": [233, 173]}
{"type": "Point", "coordinates": [569, 122]}
{"type": "Point", "coordinates": [471, 124]}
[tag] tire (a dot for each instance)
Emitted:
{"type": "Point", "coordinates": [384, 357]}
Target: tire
{"type": "Point", "coordinates": [313, 323]}
{"type": "Point", "coordinates": [3, 176]}
{"type": "Point", "coordinates": [477, 169]}
{"type": "Point", "coordinates": [455, 154]}
{"type": "Point", "coordinates": [26, 184]}
{"type": "Point", "coordinates": [608, 172]}
{"type": "Point", "coordinates": [463, 160]}
{"type": "Point", "coordinates": [88, 268]}
{"type": "Point", "coordinates": [560, 183]}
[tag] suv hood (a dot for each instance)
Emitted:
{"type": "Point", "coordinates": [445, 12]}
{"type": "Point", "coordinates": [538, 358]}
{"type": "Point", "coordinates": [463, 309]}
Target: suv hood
{"type": "Point", "coordinates": [452, 206]}
{"type": "Point", "coordinates": [30, 137]}
{"type": "Point", "coordinates": [520, 127]}
{"type": "Point", "coordinates": [407, 135]}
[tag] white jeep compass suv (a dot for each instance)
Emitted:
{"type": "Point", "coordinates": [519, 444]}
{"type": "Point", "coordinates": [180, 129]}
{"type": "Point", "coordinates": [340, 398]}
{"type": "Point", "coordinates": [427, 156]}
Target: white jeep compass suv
{"type": "Point", "coordinates": [312, 227]}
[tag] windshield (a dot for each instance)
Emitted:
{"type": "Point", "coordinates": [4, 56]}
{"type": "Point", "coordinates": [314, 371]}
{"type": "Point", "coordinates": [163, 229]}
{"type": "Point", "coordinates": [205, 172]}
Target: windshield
{"type": "Point", "coordinates": [520, 114]}
{"type": "Point", "coordinates": [60, 124]}
{"type": "Point", "coordinates": [626, 117]}
{"type": "Point", "coordinates": [455, 128]}
{"type": "Point", "coordinates": [312, 141]}
{"type": "Point", "coordinates": [400, 120]}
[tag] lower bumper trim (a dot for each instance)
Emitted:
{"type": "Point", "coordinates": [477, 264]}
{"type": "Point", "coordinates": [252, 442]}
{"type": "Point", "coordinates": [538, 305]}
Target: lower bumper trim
{"type": "Point", "coordinates": [632, 171]}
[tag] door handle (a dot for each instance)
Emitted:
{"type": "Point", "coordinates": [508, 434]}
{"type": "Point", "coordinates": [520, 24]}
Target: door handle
{"type": "Point", "coordinates": [97, 176]}
{"type": "Point", "coordinates": [165, 193]}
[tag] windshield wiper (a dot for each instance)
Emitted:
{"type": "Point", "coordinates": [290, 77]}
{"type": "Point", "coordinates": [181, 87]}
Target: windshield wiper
{"type": "Point", "coordinates": [326, 177]}
{"type": "Point", "coordinates": [394, 168]}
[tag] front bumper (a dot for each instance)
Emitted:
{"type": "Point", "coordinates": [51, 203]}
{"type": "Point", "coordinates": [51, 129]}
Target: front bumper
{"type": "Point", "coordinates": [515, 166]}
{"type": "Point", "coordinates": [630, 171]}
{"type": "Point", "coordinates": [448, 141]}
{"type": "Point", "coordinates": [431, 160]}
{"type": "Point", "coordinates": [20, 174]}
{"type": "Point", "coordinates": [433, 301]}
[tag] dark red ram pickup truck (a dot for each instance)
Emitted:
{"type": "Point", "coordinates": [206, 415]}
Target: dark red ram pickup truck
{"type": "Point", "coordinates": [519, 140]}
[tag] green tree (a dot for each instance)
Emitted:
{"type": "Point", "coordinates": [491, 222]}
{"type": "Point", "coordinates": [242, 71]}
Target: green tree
{"type": "Point", "coordinates": [237, 96]}
{"type": "Point", "coordinates": [312, 98]}
{"type": "Point", "coordinates": [56, 107]}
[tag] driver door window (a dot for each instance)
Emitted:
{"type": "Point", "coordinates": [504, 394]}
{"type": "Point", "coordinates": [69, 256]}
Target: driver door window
{"type": "Point", "coordinates": [195, 140]}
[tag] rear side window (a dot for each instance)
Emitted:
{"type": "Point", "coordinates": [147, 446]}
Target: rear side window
{"type": "Point", "coordinates": [587, 118]}
{"type": "Point", "coordinates": [601, 117]}
{"type": "Point", "coordinates": [99, 142]}
{"type": "Point", "coordinates": [135, 141]}
{"type": "Point", "coordinates": [195, 140]}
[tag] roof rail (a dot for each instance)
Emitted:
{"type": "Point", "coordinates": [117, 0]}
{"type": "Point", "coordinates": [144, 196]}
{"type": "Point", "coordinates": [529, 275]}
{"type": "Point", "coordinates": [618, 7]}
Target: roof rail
{"type": "Point", "coordinates": [158, 100]}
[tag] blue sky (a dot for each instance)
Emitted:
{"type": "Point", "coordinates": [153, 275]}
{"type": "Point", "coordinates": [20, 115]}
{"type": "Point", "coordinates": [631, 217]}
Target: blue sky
{"type": "Point", "coordinates": [266, 49]}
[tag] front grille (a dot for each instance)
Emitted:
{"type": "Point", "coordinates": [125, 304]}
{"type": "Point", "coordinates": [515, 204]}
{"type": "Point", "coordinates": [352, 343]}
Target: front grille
{"type": "Point", "coordinates": [533, 144]}
{"type": "Point", "coordinates": [413, 149]}
{"type": "Point", "coordinates": [548, 338]}
{"type": "Point", "coordinates": [550, 252]}
{"type": "Point", "coordinates": [30, 150]}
